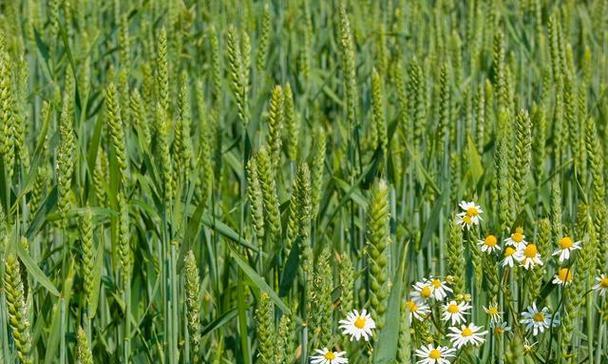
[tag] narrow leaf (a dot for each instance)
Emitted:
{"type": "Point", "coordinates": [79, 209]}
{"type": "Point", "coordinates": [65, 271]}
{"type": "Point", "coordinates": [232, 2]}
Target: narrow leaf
{"type": "Point", "coordinates": [35, 271]}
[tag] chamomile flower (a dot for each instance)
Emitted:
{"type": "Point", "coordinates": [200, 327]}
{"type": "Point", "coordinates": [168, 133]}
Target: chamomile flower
{"type": "Point", "coordinates": [528, 256]}
{"type": "Point", "coordinates": [489, 244]}
{"type": "Point", "coordinates": [454, 312]}
{"type": "Point", "coordinates": [509, 254]}
{"type": "Point", "coordinates": [493, 312]}
{"type": "Point", "coordinates": [423, 290]}
{"type": "Point", "coordinates": [440, 289]}
{"type": "Point", "coordinates": [464, 221]}
{"type": "Point", "coordinates": [326, 356]}
{"type": "Point", "coordinates": [358, 325]}
{"type": "Point", "coordinates": [472, 210]}
{"type": "Point", "coordinates": [537, 320]}
{"type": "Point", "coordinates": [500, 328]}
{"type": "Point", "coordinates": [528, 348]}
{"type": "Point", "coordinates": [563, 276]}
{"type": "Point", "coordinates": [466, 335]}
{"type": "Point", "coordinates": [430, 354]}
{"type": "Point", "coordinates": [517, 239]}
{"type": "Point", "coordinates": [417, 309]}
{"type": "Point", "coordinates": [566, 247]}
{"type": "Point", "coordinates": [602, 284]}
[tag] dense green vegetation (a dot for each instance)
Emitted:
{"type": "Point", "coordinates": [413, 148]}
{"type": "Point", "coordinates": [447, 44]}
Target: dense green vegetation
{"type": "Point", "coordinates": [280, 182]}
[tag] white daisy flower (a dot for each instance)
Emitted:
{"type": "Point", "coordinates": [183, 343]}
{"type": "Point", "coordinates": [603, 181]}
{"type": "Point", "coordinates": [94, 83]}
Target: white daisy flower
{"type": "Point", "coordinates": [326, 356]}
{"type": "Point", "coordinates": [423, 290]}
{"type": "Point", "coordinates": [440, 289]}
{"type": "Point", "coordinates": [500, 327]}
{"type": "Point", "coordinates": [563, 277]}
{"type": "Point", "coordinates": [517, 239]}
{"type": "Point", "coordinates": [430, 354]}
{"type": "Point", "coordinates": [602, 284]}
{"type": "Point", "coordinates": [454, 312]}
{"type": "Point", "coordinates": [566, 247]}
{"type": "Point", "coordinates": [472, 210]}
{"type": "Point", "coordinates": [528, 257]}
{"type": "Point", "coordinates": [464, 221]}
{"type": "Point", "coordinates": [358, 325]}
{"type": "Point", "coordinates": [466, 335]}
{"type": "Point", "coordinates": [417, 309]}
{"type": "Point", "coordinates": [493, 312]}
{"type": "Point", "coordinates": [509, 256]}
{"type": "Point", "coordinates": [537, 320]}
{"type": "Point", "coordinates": [489, 244]}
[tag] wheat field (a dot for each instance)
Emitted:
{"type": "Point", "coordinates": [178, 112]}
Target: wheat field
{"type": "Point", "coordinates": [303, 181]}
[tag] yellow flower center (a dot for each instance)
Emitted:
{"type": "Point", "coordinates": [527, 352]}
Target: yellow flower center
{"type": "Point", "coordinates": [360, 322]}
{"type": "Point", "coordinates": [499, 330]}
{"type": "Point", "coordinates": [436, 283]}
{"type": "Point", "coordinates": [509, 251]}
{"type": "Point", "coordinates": [467, 219]}
{"type": "Point", "coordinates": [517, 237]}
{"type": "Point", "coordinates": [411, 305]}
{"type": "Point", "coordinates": [565, 274]}
{"type": "Point", "coordinates": [491, 241]}
{"type": "Point", "coordinates": [530, 251]}
{"type": "Point", "coordinates": [467, 332]}
{"type": "Point", "coordinates": [435, 354]}
{"type": "Point", "coordinates": [539, 317]}
{"type": "Point", "coordinates": [493, 310]}
{"type": "Point", "coordinates": [426, 292]}
{"type": "Point", "coordinates": [604, 282]}
{"type": "Point", "coordinates": [472, 211]}
{"type": "Point", "coordinates": [566, 242]}
{"type": "Point", "coordinates": [519, 229]}
{"type": "Point", "coordinates": [330, 355]}
{"type": "Point", "coordinates": [452, 308]}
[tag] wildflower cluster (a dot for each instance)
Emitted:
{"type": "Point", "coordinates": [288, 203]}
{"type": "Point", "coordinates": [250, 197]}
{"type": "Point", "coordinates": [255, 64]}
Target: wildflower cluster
{"type": "Point", "coordinates": [433, 296]}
